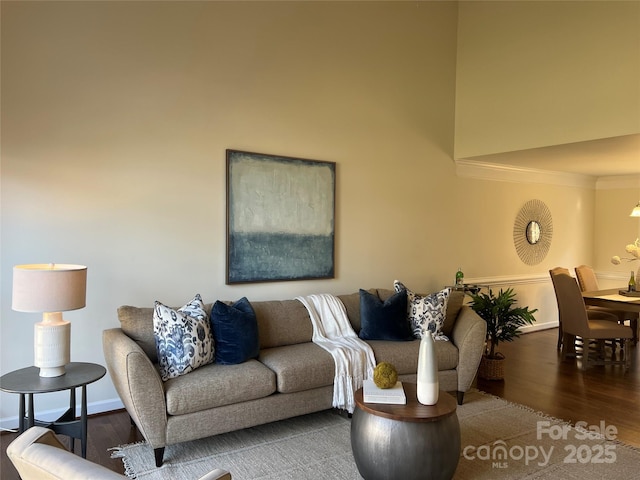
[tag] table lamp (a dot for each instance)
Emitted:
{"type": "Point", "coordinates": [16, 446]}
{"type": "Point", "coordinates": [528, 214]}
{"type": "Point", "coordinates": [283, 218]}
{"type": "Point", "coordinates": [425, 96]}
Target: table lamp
{"type": "Point", "coordinates": [50, 289]}
{"type": "Point", "coordinates": [636, 211]}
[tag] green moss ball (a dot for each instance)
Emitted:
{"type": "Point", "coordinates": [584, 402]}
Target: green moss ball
{"type": "Point", "coordinates": [385, 375]}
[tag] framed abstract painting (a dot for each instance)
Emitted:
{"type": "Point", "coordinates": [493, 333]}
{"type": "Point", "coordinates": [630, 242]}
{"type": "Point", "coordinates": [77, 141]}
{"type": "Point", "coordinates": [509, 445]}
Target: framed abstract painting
{"type": "Point", "coordinates": [280, 218]}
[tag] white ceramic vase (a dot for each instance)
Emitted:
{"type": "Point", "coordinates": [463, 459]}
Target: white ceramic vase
{"type": "Point", "coordinates": [427, 385]}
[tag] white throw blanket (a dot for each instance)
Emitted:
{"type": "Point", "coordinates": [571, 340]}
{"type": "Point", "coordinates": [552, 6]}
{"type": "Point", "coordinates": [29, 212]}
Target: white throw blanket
{"type": "Point", "coordinates": [332, 331]}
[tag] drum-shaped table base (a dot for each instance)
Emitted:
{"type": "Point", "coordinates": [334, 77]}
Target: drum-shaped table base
{"type": "Point", "coordinates": [392, 442]}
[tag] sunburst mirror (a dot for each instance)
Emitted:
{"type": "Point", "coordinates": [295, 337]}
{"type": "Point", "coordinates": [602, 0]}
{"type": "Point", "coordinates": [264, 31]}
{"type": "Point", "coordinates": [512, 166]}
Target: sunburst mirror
{"type": "Point", "coordinates": [532, 232]}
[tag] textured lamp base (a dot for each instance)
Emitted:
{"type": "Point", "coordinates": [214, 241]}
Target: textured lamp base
{"type": "Point", "coordinates": [52, 345]}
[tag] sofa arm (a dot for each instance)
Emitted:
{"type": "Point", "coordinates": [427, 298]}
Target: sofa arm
{"type": "Point", "coordinates": [469, 335]}
{"type": "Point", "coordinates": [38, 454]}
{"type": "Point", "coordinates": [138, 384]}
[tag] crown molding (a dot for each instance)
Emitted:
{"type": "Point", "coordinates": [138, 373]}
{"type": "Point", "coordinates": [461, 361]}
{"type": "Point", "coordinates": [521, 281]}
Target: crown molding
{"type": "Point", "coordinates": [515, 174]}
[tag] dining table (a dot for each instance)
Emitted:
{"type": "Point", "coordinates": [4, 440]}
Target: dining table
{"type": "Point", "coordinates": [617, 299]}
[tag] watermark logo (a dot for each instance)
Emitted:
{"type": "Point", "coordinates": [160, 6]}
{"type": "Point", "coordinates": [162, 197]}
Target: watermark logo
{"type": "Point", "coordinates": [500, 454]}
{"type": "Point", "coordinates": [582, 431]}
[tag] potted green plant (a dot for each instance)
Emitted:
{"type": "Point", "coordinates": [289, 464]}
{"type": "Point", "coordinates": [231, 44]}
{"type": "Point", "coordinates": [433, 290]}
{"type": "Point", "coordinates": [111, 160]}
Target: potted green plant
{"type": "Point", "coordinates": [504, 319]}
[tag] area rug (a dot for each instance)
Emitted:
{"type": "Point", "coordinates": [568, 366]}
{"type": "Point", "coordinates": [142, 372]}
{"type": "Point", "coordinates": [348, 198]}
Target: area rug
{"type": "Point", "coordinates": [499, 440]}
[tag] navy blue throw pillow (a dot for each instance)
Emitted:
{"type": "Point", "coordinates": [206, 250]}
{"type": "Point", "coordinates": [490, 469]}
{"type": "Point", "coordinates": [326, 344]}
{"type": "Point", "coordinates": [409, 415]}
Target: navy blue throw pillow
{"type": "Point", "coordinates": [235, 332]}
{"type": "Point", "coordinates": [384, 320]}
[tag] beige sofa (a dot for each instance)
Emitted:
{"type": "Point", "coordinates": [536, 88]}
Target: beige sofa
{"type": "Point", "coordinates": [292, 376]}
{"type": "Point", "coordinates": [37, 454]}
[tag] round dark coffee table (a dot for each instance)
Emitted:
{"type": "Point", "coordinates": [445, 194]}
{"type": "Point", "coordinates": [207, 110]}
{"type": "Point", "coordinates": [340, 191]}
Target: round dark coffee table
{"type": "Point", "coordinates": [411, 441]}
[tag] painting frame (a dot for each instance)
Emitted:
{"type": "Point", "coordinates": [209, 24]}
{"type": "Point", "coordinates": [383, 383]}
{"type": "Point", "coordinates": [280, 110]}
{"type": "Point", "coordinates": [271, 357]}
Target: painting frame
{"type": "Point", "coordinates": [280, 218]}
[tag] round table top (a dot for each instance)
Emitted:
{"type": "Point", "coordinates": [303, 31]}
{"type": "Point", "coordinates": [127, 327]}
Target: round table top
{"type": "Point", "coordinates": [28, 380]}
{"type": "Point", "coordinates": [412, 411]}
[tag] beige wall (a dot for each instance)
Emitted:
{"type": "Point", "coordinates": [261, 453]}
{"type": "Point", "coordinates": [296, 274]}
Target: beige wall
{"type": "Point", "coordinates": [615, 198]}
{"type": "Point", "coordinates": [116, 117]}
{"type": "Point", "coordinates": [115, 121]}
{"type": "Point", "coordinates": [566, 64]}
{"type": "Point", "coordinates": [496, 208]}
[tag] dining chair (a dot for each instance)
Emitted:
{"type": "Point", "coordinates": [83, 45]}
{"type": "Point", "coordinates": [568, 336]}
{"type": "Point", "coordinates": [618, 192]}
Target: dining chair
{"type": "Point", "coordinates": [591, 314]}
{"type": "Point", "coordinates": [589, 283]}
{"type": "Point", "coordinates": [576, 322]}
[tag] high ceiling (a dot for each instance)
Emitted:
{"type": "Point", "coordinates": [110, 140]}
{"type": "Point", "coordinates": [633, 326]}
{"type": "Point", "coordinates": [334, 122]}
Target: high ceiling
{"type": "Point", "coordinates": [598, 158]}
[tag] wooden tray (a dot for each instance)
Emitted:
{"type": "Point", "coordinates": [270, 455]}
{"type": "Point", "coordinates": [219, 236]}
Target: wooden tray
{"type": "Point", "coordinates": [629, 294]}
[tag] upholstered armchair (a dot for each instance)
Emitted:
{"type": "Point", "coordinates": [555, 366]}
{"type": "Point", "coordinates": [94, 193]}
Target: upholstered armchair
{"type": "Point", "coordinates": [37, 454]}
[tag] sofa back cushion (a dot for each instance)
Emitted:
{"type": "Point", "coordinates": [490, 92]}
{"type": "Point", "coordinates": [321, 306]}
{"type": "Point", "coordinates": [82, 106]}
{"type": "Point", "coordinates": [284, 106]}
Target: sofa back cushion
{"type": "Point", "coordinates": [282, 322]}
{"type": "Point", "coordinates": [137, 323]}
{"type": "Point", "coordinates": [352, 304]}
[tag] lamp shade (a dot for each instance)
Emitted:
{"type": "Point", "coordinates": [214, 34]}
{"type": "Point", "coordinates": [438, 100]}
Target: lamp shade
{"type": "Point", "coordinates": [636, 211]}
{"type": "Point", "coordinates": [49, 287]}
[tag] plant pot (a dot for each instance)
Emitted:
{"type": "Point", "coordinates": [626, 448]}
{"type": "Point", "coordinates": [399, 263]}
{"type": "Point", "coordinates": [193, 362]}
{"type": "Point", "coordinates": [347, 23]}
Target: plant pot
{"type": "Point", "coordinates": [491, 368]}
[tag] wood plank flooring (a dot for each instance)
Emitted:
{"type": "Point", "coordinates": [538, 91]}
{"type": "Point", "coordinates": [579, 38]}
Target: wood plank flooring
{"type": "Point", "coordinates": [535, 377]}
{"type": "Point", "coordinates": [538, 378]}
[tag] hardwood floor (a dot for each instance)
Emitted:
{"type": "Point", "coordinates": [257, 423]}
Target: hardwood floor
{"type": "Point", "coordinates": [534, 376]}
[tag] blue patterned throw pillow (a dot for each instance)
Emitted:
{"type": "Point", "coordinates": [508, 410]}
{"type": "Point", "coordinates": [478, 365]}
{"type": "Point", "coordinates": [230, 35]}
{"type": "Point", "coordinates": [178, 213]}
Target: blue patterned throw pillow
{"type": "Point", "coordinates": [183, 338]}
{"type": "Point", "coordinates": [426, 312]}
{"type": "Point", "coordinates": [235, 331]}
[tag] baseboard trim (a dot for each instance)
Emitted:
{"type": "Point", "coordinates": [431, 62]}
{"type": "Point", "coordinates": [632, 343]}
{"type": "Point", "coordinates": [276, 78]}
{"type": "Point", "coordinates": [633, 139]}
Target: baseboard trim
{"type": "Point", "coordinates": [538, 326]}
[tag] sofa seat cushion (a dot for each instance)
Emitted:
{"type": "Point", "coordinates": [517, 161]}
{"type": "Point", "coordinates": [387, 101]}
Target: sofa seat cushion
{"type": "Point", "coordinates": [216, 385]}
{"type": "Point", "coordinates": [299, 367]}
{"type": "Point", "coordinates": [404, 355]}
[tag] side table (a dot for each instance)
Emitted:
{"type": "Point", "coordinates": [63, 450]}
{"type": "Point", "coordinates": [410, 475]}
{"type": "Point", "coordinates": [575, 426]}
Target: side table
{"type": "Point", "coordinates": [408, 442]}
{"type": "Point", "coordinates": [27, 382]}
